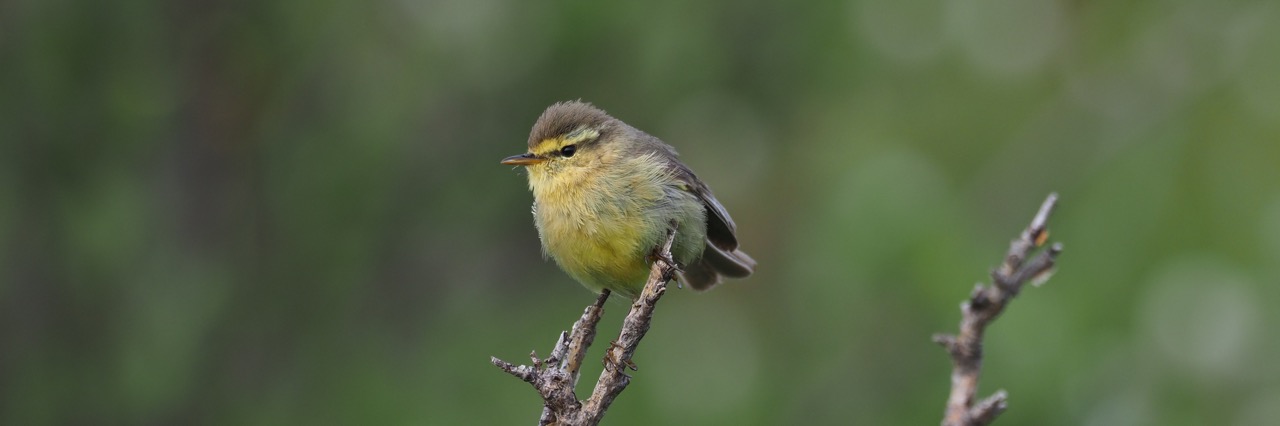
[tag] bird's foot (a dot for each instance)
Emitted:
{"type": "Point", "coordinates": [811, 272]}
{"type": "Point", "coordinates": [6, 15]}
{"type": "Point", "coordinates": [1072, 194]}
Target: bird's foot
{"type": "Point", "coordinates": [657, 255]}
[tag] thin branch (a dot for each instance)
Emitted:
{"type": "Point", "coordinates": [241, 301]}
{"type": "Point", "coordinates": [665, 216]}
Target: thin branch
{"type": "Point", "coordinates": [984, 305]}
{"type": "Point", "coordinates": [568, 355]}
{"type": "Point", "coordinates": [556, 377]}
{"type": "Point", "coordinates": [614, 379]}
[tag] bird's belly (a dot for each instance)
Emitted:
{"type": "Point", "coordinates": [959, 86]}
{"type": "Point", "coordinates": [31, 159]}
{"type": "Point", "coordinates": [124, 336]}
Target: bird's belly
{"type": "Point", "coordinates": [603, 251]}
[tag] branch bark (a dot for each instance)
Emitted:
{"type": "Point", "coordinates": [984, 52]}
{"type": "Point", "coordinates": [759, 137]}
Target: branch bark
{"type": "Point", "coordinates": [556, 377]}
{"type": "Point", "coordinates": [984, 305]}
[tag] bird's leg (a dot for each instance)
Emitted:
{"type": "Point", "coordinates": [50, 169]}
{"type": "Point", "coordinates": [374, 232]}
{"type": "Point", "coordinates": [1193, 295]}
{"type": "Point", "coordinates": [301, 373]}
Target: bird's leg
{"type": "Point", "coordinates": [657, 255]}
{"type": "Point", "coordinates": [658, 252]}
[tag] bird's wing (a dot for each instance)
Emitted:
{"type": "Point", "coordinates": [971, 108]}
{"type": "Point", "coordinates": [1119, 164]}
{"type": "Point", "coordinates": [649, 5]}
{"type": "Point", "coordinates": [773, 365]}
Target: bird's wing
{"type": "Point", "coordinates": [721, 230]}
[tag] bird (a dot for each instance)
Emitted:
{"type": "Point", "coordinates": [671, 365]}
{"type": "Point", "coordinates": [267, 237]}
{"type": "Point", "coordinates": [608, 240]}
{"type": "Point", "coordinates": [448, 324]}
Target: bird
{"type": "Point", "coordinates": [606, 194]}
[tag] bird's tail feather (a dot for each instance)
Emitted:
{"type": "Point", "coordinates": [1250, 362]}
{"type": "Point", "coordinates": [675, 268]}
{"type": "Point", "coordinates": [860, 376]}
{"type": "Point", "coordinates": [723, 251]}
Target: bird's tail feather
{"type": "Point", "coordinates": [715, 265]}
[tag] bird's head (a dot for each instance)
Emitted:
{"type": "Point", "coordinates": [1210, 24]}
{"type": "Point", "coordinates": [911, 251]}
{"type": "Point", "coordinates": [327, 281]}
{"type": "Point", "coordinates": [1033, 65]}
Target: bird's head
{"type": "Point", "coordinates": [568, 134]}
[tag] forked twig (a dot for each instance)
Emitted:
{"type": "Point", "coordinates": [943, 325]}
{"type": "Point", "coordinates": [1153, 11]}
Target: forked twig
{"type": "Point", "coordinates": [984, 305]}
{"type": "Point", "coordinates": [556, 377]}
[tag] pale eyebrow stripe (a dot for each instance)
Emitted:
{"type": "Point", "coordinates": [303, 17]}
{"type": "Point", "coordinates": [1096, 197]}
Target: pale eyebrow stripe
{"type": "Point", "coordinates": [580, 134]}
{"type": "Point", "coordinates": [577, 135]}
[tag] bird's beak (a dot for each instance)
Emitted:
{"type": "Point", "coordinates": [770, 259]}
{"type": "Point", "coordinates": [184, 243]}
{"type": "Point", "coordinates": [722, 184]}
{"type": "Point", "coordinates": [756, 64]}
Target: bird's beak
{"type": "Point", "coordinates": [526, 159]}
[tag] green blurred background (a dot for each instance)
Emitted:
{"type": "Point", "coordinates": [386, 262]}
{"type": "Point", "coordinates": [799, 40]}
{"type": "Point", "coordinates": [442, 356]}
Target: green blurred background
{"type": "Point", "coordinates": [290, 212]}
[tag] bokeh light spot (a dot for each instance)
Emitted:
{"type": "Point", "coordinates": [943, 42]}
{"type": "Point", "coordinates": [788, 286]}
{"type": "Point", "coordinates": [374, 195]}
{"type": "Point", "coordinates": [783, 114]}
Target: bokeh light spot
{"type": "Point", "coordinates": [1007, 37]}
{"type": "Point", "coordinates": [1201, 316]}
{"type": "Point", "coordinates": [909, 30]}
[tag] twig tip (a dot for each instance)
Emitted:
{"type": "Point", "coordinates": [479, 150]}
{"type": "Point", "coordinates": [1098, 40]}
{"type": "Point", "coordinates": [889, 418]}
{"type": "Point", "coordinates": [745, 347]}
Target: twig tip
{"type": "Point", "coordinates": [944, 340]}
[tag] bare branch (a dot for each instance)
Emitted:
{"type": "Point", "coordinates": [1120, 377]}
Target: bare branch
{"type": "Point", "coordinates": [984, 305]}
{"type": "Point", "coordinates": [614, 379]}
{"type": "Point", "coordinates": [568, 355]}
{"type": "Point", "coordinates": [556, 377]}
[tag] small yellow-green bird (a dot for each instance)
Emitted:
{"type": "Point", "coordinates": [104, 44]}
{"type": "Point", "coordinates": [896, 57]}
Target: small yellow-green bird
{"type": "Point", "coordinates": [605, 194]}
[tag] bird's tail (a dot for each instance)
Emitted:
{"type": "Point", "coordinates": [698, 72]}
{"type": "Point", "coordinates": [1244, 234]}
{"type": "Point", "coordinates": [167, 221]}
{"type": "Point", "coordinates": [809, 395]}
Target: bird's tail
{"type": "Point", "coordinates": [715, 265]}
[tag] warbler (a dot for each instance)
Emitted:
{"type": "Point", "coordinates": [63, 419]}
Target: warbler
{"type": "Point", "coordinates": [605, 195]}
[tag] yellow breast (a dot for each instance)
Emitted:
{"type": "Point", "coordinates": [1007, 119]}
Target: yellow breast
{"type": "Point", "coordinates": [594, 218]}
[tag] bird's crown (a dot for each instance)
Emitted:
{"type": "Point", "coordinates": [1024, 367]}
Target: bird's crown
{"type": "Point", "coordinates": [565, 121]}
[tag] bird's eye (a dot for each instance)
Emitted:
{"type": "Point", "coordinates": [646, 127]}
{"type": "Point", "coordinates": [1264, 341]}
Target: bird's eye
{"type": "Point", "coordinates": [568, 150]}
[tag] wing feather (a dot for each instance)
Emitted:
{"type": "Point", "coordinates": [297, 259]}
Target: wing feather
{"type": "Point", "coordinates": [721, 231]}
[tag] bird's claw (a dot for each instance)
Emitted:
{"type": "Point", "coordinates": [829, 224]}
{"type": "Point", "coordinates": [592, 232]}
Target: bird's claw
{"type": "Point", "coordinates": [658, 254]}
{"type": "Point", "coordinates": [672, 266]}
